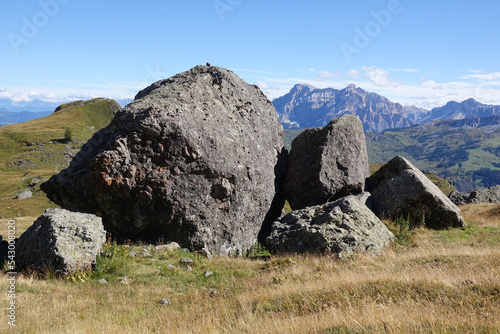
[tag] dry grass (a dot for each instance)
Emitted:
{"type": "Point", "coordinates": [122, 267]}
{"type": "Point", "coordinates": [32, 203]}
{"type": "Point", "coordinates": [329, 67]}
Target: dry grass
{"type": "Point", "coordinates": [483, 214]}
{"type": "Point", "coordinates": [442, 284]}
{"type": "Point", "coordinates": [21, 223]}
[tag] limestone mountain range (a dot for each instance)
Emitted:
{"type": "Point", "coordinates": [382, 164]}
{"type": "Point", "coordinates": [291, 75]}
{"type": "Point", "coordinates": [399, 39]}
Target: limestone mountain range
{"type": "Point", "coordinates": [306, 106]}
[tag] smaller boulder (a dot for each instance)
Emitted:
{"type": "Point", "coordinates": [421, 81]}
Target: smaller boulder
{"type": "Point", "coordinates": [326, 164]}
{"type": "Point", "coordinates": [124, 280]}
{"type": "Point", "coordinates": [487, 195]}
{"type": "Point", "coordinates": [25, 194]}
{"type": "Point", "coordinates": [164, 302]}
{"type": "Point", "coordinates": [62, 241]}
{"type": "Point", "coordinates": [170, 247]}
{"type": "Point", "coordinates": [344, 227]}
{"type": "Point", "coordinates": [399, 189]}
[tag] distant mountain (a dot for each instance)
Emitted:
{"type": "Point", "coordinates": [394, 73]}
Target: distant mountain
{"type": "Point", "coordinates": [124, 102]}
{"type": "Point", "coordinates": [306, 106]}
{"type": "Point", "coordinates": [33, 106]}
{"type": "Point", "coordinates": [7, 117]}
{"type": "Point", "coordinates": [487, 124]}
{"type": "Point", "coordinates": [416, 114]}
{"type": "Point", "coordinates": [467, 109]}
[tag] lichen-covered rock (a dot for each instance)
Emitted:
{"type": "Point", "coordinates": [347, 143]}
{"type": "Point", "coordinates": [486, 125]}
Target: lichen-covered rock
{"type": "Point", "coordinates": [193, 159]}
{"type": "Point", "coordinates": [399, 189]}
{"type": "Point", "coordinates": [327, 163]}
{"type": "Point", "coordinates": [487, 195]}
{"type": "Point", "coordinates": [24, 195]}
{"type": "Point", "coordinates": [343, 227]}
{"type": "Point", "coordinates": [61, 241]}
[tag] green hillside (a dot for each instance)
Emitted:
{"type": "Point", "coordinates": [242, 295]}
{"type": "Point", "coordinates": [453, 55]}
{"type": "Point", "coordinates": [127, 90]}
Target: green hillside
{"type": "Point", "coordinates": [31, 152]}
{"type": "Point", "coordinates": [289, 135]}
{"type": "Point", "coordinates": [471, 157]}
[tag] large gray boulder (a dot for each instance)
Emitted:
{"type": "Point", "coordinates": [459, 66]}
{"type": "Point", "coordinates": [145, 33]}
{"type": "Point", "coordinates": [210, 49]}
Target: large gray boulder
{"type": "Point", "coordinates": [487, 195]}
{"type": "Point", "coordinates": [327, 163]}
{"type": "Point", "coordinates": [399, 189]}
{"type": "Point", "coordinates": [193, 159]}
{"type": "Point", "coordinates": [344, 227]}
{"type": "Point", "coordinates": [61, 241]}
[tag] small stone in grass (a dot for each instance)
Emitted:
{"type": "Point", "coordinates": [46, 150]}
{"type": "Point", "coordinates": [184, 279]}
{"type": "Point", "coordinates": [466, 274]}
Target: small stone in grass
{"type": "Point", "coordinates": [164, 302]}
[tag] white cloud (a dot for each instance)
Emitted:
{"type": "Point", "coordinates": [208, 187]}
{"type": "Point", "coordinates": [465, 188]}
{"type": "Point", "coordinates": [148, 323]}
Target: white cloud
{"type": "Point", "coordinates": [328, 75]}
{"type": "Point", "coordinates": [353, 74]}
{"type": "Point", "coordinates": [379, 77]}
{"type": "Point", "coordinates": [78, 92]}
{"type": "Point", "coordinates": [485, 77]}
{"type": "Point", "coordinates": [409, 70]}
{"type": "Point", "coordinates": [265, 86]}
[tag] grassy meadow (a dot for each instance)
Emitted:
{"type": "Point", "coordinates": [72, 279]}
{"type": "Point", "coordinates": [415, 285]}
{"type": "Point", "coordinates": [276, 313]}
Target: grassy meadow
{"type": "Point", "coordinates": [429, 282]}
{"type": "Point", "coordinates": [33, 151]}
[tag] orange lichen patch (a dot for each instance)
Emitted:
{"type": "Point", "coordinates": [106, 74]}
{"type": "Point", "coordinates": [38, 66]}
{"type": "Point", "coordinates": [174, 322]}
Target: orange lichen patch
{"type": "Point", "coordinates": [109, 180]}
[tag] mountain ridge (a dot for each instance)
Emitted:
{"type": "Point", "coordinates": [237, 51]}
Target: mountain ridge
{"type": "Point", "coordinates": [469, 108]}
{"type": "Point", "coordinates": [7, 117]}
{"type": "Point", "coordinates": [307, 106]}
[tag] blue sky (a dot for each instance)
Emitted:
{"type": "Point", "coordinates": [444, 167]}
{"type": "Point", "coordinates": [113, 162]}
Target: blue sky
{"type": "Point", "coordinates": [423, 52]}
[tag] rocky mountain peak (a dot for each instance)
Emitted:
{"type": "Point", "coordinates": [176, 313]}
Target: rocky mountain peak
{"type": "Point", "coordinates": [471, 101]}
{"type": "Point", "coordinates": [302, 89]}
{"type": "Point", "coordinates": [469, 108]}
{"type": "Point", "coordinates": [353, 89]}
{"type": "Point", "coordinates": [313, 107]}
